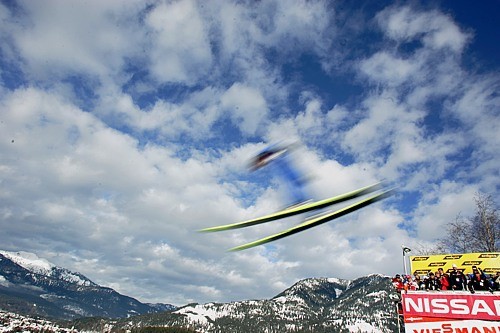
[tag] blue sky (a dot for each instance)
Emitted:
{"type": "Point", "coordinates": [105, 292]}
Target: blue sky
{"type": "Point", "coordinates": [127, 126]}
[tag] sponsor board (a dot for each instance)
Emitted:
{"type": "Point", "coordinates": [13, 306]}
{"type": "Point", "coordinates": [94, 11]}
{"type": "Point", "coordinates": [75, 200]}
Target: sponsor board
{"type": "Point", "coordinates": [453, 305]}
{"type": "Point", "coordinates": [451, 312]}
{"type": "Point", "coordinates": [471, 326]}
{"type": "Point", "coordinates": [489, 262]}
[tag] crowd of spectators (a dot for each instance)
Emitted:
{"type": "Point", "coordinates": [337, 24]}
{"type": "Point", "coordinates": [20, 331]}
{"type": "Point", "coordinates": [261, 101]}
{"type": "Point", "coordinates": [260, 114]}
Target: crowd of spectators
{"type": "Point", "coordinates": [477, 280]}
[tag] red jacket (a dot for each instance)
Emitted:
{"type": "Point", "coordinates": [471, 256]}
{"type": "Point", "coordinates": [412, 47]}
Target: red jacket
{"type": "Point", "coordinates": [398, 284]}
{"type": "Point", "coordinates": [445, 283]}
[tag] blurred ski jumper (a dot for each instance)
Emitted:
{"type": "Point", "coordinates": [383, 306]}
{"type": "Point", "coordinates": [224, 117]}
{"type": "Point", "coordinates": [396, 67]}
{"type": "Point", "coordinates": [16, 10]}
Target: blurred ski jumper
{"type": "Point", "coordinates": [279, 159]}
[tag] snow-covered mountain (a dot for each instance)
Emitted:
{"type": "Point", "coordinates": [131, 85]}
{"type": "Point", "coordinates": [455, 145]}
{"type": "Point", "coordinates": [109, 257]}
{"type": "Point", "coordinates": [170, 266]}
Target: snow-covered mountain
{"type": "Point", "coordinates": [311, 305]}
{"type": "Point", "coordinates": [32, 285]}
{"type": "Point", "coordinates": [34, 264]}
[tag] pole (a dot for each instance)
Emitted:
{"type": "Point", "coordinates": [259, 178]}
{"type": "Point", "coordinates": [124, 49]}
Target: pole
{"type": "Point", "coordinates": [405, 250]}
{"type": "Point", "coordinates": [404, 262]}
{"type": "Point", "coordinates": [398, 317]}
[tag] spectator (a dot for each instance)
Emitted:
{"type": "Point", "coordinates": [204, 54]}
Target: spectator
{"type": "Point", "coordinates": [458, 281]}
{"type": "Point", "coordinates": [443, 278]}
{"type": "Point", "coordinates": [496, 282]}
{"type": "Point", "coordinates": [432, 283]}
{"type": "Point", "coordinates": [411, 284]}
{"type": "Point", "coordinates": [474, 270]}
{"type": "Point", "coordinates": [398, 283]}
{"type": "Point", "coordinates": [419, 282]}
{"type": "Point", "coordinates": [478, 282]}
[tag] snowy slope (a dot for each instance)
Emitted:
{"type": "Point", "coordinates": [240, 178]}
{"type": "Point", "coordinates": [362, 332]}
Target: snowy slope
{"type": "Point", "coordinates": [33, 263]}
{"type": "Point", "coordinates": [32, 285]}
{"type": "Point", "coordinates": [311, 305]}
{"type": "Point", "coordinates": [11, 322]}
{"type": "Point", "coordinates": [30, 261]}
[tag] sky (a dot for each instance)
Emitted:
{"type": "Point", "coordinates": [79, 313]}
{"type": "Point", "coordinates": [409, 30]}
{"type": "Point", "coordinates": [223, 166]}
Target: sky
{"type": "Point", "coordinates": [126, 126]}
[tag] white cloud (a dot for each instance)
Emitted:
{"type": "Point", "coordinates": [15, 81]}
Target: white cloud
{"type": "Point", "coordinates": [133, 167]}
{"type": "Point", "coordinates": [387, 121]}
{"type": "Point", "coordinates": [440, 207]}
{"type": "Point", "coordinates": [303, 23]}
{"type": "Point", "coordinates": [246, 107]}
{"type": "Point", "coordinates": [57, 37]}
{"type": "Point", "coordinates": [435, 29]}
{"type": "Point", "coordinates": [284, 26]}
{"type": "Point", "coordinates": [387, 68]}
{"type": "Point", "coordinates": [194, 115]}
{"type": "Point", "coordinates": [478, 107]}
{"type": "Point", "coordinates": [180, 50]}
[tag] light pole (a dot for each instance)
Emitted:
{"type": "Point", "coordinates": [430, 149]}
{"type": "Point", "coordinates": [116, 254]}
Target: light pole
{"type": "Point", "coordinates": [405, 251]}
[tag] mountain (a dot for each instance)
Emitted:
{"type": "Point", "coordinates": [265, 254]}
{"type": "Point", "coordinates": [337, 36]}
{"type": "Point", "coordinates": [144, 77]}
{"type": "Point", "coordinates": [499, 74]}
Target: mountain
{"type": "Point", "coordinates": [311, 305]}
{"type": "Point", "coordinates": [33, 286]}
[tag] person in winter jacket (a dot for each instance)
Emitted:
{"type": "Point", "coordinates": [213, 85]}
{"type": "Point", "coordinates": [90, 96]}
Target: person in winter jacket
{"type": "Point", "coordinates": [410, 283]}
{"type": "Point", "coordinates": [444, 279]}
{"type": "Point", "coordinates": [432, 282]}
{"type": "Point", "coordinates": [474, 270]}
{"type": "Point", "coordinates": [397, 282]}
{"type": "Point", "coordinates": [496, 282]}
{"type": "Point", "coordinates": [478, 282]}
{"type": "Point", "coordinates": [419, 282]}
{"type": "Point", "coordinates": [458, 281]}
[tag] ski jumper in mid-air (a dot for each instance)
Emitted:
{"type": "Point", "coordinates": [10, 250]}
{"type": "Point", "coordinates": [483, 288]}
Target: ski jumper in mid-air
{"type": "Point", "coordinates": [279, 159]}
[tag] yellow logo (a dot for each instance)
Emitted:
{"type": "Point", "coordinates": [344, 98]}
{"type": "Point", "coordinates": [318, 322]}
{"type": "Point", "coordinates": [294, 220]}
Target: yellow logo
{"type": "Point", "coordinates": [488, 255]}
{"type": "Point", "coordinates": [453, 257]}
{"type": "Point", "coordinates": [422, 271]}
{"type": "Point", "coordinates": [471, 263]}
{"type": "Point", "coordinates": [419, 258]}
{"type": "Point", "coordinates": [437, 264]}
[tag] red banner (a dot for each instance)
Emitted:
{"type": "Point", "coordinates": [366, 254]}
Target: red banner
{"type": "Point", "coordinates": [428, 306]}
{"type": "Point", "coordinates": [451, 312]}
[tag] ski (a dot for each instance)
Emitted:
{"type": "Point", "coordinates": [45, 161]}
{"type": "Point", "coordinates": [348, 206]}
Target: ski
{"type": "Point", "coordinates": [297, 209]}
{"type": "Point", "coordinates": [317, 220]}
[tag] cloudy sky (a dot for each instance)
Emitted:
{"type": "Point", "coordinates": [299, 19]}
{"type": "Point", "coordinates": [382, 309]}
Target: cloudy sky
{"type": "Point", "coordinates": [125, 126]}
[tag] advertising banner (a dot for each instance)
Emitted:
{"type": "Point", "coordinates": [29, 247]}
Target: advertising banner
{"type": "Point", "coordinates": [489, 262]}
{"type": "Point", "coordinates": [451, 312]}
{"type": "Point", "coordinates": [470, 326]}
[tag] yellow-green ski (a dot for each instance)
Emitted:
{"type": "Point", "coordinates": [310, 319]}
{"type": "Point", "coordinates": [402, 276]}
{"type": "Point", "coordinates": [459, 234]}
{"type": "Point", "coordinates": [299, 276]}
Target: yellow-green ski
{"type": "Point", "coordinates": [317, 220]}
{"type": "Point", "coordinates": [297, 209]}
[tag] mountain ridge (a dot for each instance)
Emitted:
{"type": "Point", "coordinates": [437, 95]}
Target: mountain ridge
{"type": "Point", "coordinates": [365, 304]}
{"type": "Point", "coordinates": [34, 264]}
{"type": "Point", "coordinates": [30, 285]}
{"type": "Point", "coordinates": [324, 304]}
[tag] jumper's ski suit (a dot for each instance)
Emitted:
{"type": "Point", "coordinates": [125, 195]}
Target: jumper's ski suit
{"type": "Point", "coordinates": [278, 158]}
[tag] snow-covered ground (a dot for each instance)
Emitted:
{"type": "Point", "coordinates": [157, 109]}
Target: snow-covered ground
{"type": "Point", "coordinates": [11, 322]}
